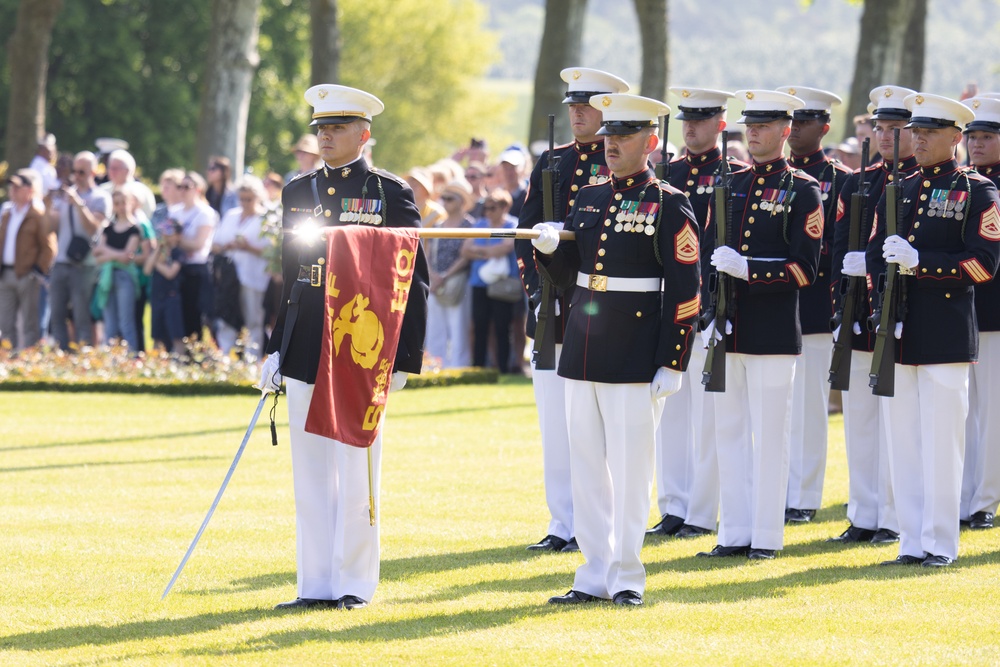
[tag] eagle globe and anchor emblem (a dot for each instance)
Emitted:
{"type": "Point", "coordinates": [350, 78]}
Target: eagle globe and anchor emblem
{"type": "Point", "coordinates": [364, 328]}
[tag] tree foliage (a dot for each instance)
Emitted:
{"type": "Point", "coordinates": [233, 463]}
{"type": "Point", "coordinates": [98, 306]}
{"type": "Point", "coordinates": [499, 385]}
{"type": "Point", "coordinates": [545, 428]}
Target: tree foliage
{"type": "Point", "coordinates": [135, 69]}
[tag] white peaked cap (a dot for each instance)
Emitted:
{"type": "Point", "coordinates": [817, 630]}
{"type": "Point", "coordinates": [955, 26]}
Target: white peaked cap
{"type": "Point", "coordinates": [933, 111]}
{"type": "Point", "coordinates": [333, 104]}
{"type": "Point", "coordinates": [628, 114]}
{"type": "Point", "coordinates": [584, 83]}
{"type": "Point", "coordinates": [763, 106]}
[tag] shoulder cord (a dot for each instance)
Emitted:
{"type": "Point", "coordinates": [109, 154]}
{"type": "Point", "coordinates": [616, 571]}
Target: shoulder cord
{"type": "Point", "coordinates": [381, 195]}
{"type": "Point", "coordinates": [788, 193]}
{"type": "Point", "coordinates": [656, 234]}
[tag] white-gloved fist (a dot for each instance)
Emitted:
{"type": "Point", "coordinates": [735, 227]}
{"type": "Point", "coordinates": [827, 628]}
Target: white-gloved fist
{"type": "Point", "coordinates": [898, 333]}
{"type": "Point", "coordinates": [897, 250]}
{"type": "Point", "coordinates": [665, 382]}
{"type": "Point", "coordinates": [854, 264]}
{"type": "Point", "coordinates": [711, 331]}
{"type": "Point", "coordinates": [548, 238]}
{"type": "Point", "coordinates": [836, 333]}
{"type": "Point", "coordinates": [270, 375]}
{"type": "Point", "coordinates": [729, 261]}
{"type": "Point", "coordinates": [856, 329]}
{"type": "Point", "coordinates": [398, 381]}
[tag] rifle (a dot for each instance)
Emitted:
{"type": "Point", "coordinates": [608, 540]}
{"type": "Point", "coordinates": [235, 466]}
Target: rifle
{"type": "Point", "coordinates": [543, 350]}
{"type": "Point", "coordinates": [882, 377]}
{"type": "Point", "coordinates": [850, 287]}
{"type": "Point", "coordinates": [662, 169]}
{"type": "Point", "coordinates": [720, 285]}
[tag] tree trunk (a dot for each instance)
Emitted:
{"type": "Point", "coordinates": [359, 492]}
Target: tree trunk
{"type": "Point", "coordinates": [654, 31]}
{"type": "Point", "coordinates": [325, 41]}
{"type": "Point", "coordinates": [890, 51]}
{"type": "Point", "coordinates": [229, 69]}
{"type": "Point", "coordinates": [28, 61]}
{"type": "Point", "coordinates": [560, 49]}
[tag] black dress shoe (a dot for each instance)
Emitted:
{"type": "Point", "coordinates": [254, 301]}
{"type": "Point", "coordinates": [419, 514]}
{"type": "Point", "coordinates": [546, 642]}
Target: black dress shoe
{"type": "Point", "coordinates": [721, 552]}
{"type": "Point", "coordinates": [904, 560]}
{"type": "Point", "coordinates": [571, 546]}
{"type": "Point", "coordinates": [574, 597]}
{"type": "Point", "coordinates": [981, 521]}
{"type": "Point", "coordinates": [351, 602]}
{"type": "Point", "coordinates": [306, 603]}
{"type": "Point", "coordinates": [668, 525]}
{"type": "Point", "coordinates": [793, 515]}
{"type": "Point", "coordinates": [937, 561]}
{"type": "Point", "coordinates": [761, 554]}
{"type": "Point", "coordinates": [549, 543]}
{"type": "Point", "coordinates": [688, 530]}
{"type": "Point", "coordinates": [627, 599]}
{"type": "Point", "coordinates": [853, 534]}
{"type": "Point", "coordinates": [884, 536]}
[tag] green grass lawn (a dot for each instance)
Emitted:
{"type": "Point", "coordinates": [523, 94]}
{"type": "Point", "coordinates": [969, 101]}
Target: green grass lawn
{"type": "Point", "coordinates": [102, 494]}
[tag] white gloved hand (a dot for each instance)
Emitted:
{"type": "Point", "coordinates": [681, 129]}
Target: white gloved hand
{"type": "Point", "coordinates": [538, 309]}
{"type": "Point", "coordinates": [898, 333]}
{"type": "Point", "coordinates": [854, 264]}
{"type": "Point", "coordinates": [857, 328]}
{"type": "Point", "coordinates": [665, 382]}
{"type": "Point", "coordinates": [729, 261]}
{"type": "Point", "coordinates": [711, 332]}
{"type": "Point", "coordinates": [398, 381]}
{"type": "Point", "coordinates": [270, 375]}
{"type": "Point", "coordinates": [558, 226]}
{"type": "Point", "coordinates": [836, 332]}
{"type": "Point", "coordinates": [548, 238]}
{"type": "Point", "coordinates": [897, 250]}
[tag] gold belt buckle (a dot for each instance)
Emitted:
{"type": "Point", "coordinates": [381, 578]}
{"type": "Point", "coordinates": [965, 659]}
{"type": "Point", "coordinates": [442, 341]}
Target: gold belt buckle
{"type": "Point", "coordinates": [316, 275]}
{"type": "Point", "coordinates": [598, 283]}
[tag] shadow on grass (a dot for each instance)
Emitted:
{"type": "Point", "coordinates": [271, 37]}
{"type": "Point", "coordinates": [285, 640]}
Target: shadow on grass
{"type": "Point", "coordinates": [397, 414]}
{"type": "Point", "coordinates": [92, 464]}
{"type": "Point", "coordinates": [778, 586]}
{"type": "Point", "coordinates": [236, 430]}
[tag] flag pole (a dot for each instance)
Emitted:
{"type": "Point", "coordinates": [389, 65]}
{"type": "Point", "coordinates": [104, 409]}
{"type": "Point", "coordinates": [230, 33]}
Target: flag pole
{"type": "Point", "coordinates": [371, 491]}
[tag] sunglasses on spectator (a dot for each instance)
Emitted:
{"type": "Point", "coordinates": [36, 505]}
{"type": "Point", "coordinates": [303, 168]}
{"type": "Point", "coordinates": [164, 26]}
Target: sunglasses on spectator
{"type": "Point", "coordinates": [473, 176]}
{"type": "Point", "coordinates": [185, 186]}
{"type": "Point", "coordinates": [492, 207]}
{"type": "Point", "coordinates": [451, 198]}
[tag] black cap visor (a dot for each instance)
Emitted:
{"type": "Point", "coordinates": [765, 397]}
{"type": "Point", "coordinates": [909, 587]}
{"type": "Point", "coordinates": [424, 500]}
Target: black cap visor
{"type": "Point", "coordinates": [698, 113]}
{"type": "Point", "coordinates": [625, 126]}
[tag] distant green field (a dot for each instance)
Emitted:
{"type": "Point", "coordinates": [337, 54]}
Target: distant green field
{"type": "Point", "coordinates": [103, 493]}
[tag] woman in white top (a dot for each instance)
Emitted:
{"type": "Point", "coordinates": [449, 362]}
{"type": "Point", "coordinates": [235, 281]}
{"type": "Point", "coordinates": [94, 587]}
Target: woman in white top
{"type": "Point", "coordinates": [239, 238]}
{"type": "Point", "coordinates": [198, 222]}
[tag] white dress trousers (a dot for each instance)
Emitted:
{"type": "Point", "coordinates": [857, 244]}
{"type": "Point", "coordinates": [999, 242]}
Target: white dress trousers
{"type": "Point", "coordinates": [925, 424]}
{"type": "Point", "coordinates": [810, 408]}
{"type": "Point", "coordinates": [869, 498]}
{"type": "Point", "coordinates": [550, 398]}
{"type": "Point", "coordinates": [981, 480]}
{"type": "Point", "coordinates": [687, 468]}
{"type": "Point", "coordinates": [753, 429]}
{"type": "Point", "coordinates": [612, 428]}
{"type": "Point", "coordinates": [337, 550]}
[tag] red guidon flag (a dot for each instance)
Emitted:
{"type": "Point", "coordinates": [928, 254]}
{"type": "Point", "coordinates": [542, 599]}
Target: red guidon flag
{"type": "Point", "coordinates": [368, 276]}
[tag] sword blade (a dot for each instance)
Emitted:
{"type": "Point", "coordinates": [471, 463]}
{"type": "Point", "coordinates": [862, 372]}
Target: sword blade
{"type": "Point", "coordinates": [218, 496]}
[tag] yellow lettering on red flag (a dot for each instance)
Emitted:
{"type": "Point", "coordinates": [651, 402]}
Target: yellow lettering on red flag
{"type": "Point", "coordinates": [370, 270]}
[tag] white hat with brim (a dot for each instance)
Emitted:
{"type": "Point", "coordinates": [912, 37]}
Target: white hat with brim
{"type": "Point", "coordinates": [987, 110]}
{"type": "Point", "coordinates": [817, 103]}
{"type": "Point", "coordinates": [628, 114]}
{"type": "Point", "coordinates": [699, 103]}
{"type": "Point", "coordinates": [335, 105]}
{"type": "Point", "coordinates": [935, 111]}
{"type": "Point", "coordinates": [584, 83]}
{"type": "Point", "coordinates": [108, 144]}
{"type": "Point", "coordinates": [764, 106]}
{"type": "Point", "coordinates": [889, 103]}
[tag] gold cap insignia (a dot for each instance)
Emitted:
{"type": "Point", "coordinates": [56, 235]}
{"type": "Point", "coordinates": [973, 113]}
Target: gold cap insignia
{"type": "Point", "coordinates": [576, 75]}
{"type": "Point", "coordinates": [749, 94]}
{"type": "Point", "coordinates": [685, 93]}
{"type": "Point", "coordinates": [975, 104]}
{"type": "Point", "coordinates": [345, 172]}
{"type": "Point", "coordinates": [791, 91]}
{"type": "Point", "coordinates": [321, 94]}
{"type": "Point", "coordinates": [888, 92]}
{"type": "Point", "coordinates": [606, 101]}
{"type": "Point", "coordinates": [919, 99]}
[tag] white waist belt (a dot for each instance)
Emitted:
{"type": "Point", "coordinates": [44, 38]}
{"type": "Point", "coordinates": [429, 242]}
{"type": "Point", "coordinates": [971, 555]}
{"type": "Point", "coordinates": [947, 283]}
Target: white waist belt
{"type": "Point", "coordinates": [597, 283]}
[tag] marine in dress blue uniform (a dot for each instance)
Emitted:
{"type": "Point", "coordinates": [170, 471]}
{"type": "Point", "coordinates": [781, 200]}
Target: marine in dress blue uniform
{"type": "Point", "coordinates": [948, 242]}
{"type": "Point", "coordinates": [811, 391]}
{"type": "Point", "coordinates": [870, 506]}
{"type": "Point", "coordinates": [581, 163]}
{"type": "Point", "coordinates": [777, 216]}
{"type": "Point", "coordinates": [687, 471]}
{"type": "Point", "coordinates": [981, 479]}
{"type": "Point", "coordinates": [629, 331]}
{"type": "Point", "coordinates": [337, 550]}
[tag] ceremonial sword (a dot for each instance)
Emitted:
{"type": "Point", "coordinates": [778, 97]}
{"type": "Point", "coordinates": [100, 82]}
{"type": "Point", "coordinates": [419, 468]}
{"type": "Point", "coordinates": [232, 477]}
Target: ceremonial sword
{"type": "Point", "coordinates": [218, 496]}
